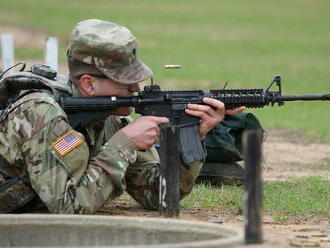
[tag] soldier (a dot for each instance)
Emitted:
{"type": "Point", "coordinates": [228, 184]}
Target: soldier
{"type": "Point", "coordinates": [77, 171]}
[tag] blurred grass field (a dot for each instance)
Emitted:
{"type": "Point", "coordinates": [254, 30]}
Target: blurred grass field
{"type": "Point", "coordinates": [243, 42]}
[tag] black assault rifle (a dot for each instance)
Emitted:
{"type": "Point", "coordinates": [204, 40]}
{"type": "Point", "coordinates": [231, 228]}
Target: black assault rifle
{"type": "Point", "coordinates": [171, 104]}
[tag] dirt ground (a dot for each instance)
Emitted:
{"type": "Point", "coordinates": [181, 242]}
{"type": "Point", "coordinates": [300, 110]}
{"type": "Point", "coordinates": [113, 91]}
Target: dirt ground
{"type": "Point", "coordinates": [289, 153]}
{"type": "Point", "coordinates": [286, 153]}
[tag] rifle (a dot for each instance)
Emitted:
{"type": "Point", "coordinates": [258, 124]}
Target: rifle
{"type": "Point", "coordinates": [171, 104]}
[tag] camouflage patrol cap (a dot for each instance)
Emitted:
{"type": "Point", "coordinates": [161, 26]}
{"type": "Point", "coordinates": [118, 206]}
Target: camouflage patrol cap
{"type": "Point", "coordinates": [109, 47]}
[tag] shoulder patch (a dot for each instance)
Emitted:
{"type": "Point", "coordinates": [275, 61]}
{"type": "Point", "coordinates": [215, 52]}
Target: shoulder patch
{"type": "Point", "coordinates": [67, 143]}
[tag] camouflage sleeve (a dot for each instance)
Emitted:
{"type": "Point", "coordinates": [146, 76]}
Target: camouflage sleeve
{"type": "Point", "coordinates": [142, 178]}
{"type": "Point", "coordinates": [58, 163]}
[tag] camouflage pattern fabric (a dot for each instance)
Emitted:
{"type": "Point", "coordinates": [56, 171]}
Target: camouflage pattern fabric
{"type": "Point", "coordinates": [14, 194]}
{"type": "Point", "coordinates": [109, 47]}
{"type": "Point", "coordinates": [2, 179]}
{"type": "Point", "coordinates": [101, 167]}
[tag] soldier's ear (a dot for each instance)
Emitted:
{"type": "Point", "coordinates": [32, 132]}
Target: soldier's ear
{"type": "Point", "coordinates": [86, 85]}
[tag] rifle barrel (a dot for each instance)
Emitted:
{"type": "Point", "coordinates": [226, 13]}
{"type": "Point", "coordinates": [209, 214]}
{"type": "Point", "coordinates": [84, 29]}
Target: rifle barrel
{"type": "Point", "coordinates": [321, 97]}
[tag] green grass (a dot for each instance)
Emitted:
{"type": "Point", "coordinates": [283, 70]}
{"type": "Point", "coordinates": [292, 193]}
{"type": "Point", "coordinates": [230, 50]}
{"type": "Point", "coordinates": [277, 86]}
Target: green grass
{"type": "Point", "coordinates": [243, 42]}
{"type": "Point", "coordinates": [299, 197]}
{"type": "Point", "coordinates": [210, 197]}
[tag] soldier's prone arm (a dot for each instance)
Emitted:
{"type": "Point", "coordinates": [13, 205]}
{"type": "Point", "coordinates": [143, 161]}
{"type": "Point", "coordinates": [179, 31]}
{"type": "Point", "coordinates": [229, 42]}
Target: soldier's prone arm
{"type": "Point", "coordinates": [60, 168]}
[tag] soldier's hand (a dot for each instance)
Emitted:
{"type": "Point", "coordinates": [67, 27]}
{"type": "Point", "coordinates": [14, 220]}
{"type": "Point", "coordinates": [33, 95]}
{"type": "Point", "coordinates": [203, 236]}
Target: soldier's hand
{"type": "Point", "coordinates": [211, 114]}
{"type": "Point", "coordinates": [144, 131]}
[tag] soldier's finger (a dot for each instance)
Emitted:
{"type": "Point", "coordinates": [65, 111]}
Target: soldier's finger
{"type": "Point", "coordinates": [157, 119]}
{"type": "Point", "coordinates": [218, 108]}
{"type": "Point", "coordinates": [197, 113]}
{"type": "Point", "coordinates": [235, 111]}
{"type": "Point", "coordinates": [216, 104]}
{"type": "Point", "coordinates": [201, 108]}
{"type": "Point", "coordinates": [160, 120]}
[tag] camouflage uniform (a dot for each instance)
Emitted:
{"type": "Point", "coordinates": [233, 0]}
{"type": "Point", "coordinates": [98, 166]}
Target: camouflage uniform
{"type": "Point", "coordinates": [102, 163]}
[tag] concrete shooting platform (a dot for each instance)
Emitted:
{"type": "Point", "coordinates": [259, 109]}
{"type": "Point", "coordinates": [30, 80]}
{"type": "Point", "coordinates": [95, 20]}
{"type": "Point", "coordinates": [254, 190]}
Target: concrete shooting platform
{"type": "Point", "coordinates": [49, 230]}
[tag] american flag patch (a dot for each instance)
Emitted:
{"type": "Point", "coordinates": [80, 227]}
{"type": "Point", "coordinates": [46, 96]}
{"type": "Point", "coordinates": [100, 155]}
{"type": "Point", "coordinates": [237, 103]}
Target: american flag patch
{"type": "Point", "coordinates": [67, 143]}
